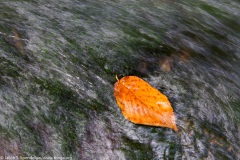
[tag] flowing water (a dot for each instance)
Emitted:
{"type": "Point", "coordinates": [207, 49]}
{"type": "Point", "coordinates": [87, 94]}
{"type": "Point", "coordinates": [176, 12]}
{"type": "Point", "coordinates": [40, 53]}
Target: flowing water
{"type": "Point", "coordinates": [59, 58]}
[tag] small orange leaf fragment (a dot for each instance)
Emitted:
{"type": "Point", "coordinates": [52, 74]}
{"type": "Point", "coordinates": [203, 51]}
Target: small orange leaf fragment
{"type": "Point", "coordinates": [142, 104]}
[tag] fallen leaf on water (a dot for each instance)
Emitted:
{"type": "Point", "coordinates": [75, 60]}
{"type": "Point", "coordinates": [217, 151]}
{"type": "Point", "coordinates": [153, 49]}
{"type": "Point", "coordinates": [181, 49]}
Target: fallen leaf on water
{"type": "Point", "coordinates": [18, 42]}
{"type": "Point", "coordinates": [166, 64]}
{"type": "Point", "coordinates": [142, 104]}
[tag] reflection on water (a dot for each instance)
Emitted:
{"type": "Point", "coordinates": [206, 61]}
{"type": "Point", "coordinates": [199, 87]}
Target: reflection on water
{"type": "Point", "coordinates": [58, 61]}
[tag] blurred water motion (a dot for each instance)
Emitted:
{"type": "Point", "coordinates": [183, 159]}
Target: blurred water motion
{"type": "Point", "coordinates": [58, 61]}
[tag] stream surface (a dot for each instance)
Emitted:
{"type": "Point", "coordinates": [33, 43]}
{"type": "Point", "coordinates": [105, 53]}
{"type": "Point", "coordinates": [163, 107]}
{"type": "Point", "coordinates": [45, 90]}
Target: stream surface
{"type": "Point", "coordinates": [59, 58]}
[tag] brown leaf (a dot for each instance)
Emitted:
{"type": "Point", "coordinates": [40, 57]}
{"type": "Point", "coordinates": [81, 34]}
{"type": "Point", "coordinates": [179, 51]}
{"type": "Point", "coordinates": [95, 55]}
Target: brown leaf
{"type": "Point", "coordinates": [142, 104]}
{"type": "Point", "coordinates": [18, 41]}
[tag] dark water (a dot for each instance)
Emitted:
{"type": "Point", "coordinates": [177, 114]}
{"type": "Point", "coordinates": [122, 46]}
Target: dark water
{"type": "Point", "coordinates": [58, 61]}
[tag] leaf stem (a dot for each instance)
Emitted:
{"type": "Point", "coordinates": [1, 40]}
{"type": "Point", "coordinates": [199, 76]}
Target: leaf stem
{"type": "Point", "coordinates": [117, 78]}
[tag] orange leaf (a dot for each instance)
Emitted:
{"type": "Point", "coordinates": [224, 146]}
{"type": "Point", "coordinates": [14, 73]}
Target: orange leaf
{"type": "Point", "coordinates": [142, 104]}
